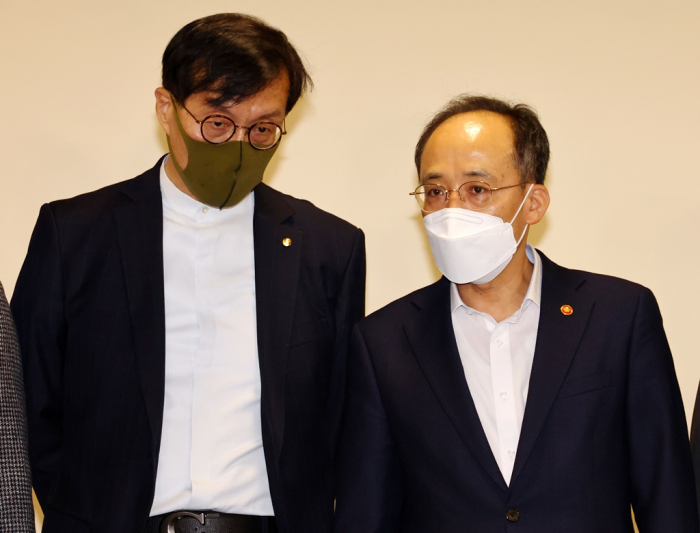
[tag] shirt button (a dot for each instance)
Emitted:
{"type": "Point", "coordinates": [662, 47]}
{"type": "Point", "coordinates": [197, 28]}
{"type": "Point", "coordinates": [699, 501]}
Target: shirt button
{"type": "Point", "coordinates": [512, 515]}
{"type": "Point", "coordinates": [511, 453]}
{"type": "Point", "coordinates": [504, 395]}
{"type": "Point", "coordinates": [499, 342]}
{"type": "Point", "coordinates": [205, 210]}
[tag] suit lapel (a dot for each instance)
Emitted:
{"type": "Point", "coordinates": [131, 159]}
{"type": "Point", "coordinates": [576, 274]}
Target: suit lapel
{"type": "Point", "coordinates": [140, 233]}
{"type": "Point", "coordinates": [558, 337]}
{"type": "Point", "coordinates": [438, 357]}
{"type": "Point", "coordinates": [277, 263]}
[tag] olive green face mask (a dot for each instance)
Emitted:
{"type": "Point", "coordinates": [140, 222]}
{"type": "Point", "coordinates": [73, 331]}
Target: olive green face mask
{"type": "Point", "coordinates": [221, 175]}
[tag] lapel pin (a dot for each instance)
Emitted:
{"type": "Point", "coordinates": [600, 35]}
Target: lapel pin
{"type": "Point", "coordinates": [286, 242]}
{"type": "Point", "coordinates": [567, 310]}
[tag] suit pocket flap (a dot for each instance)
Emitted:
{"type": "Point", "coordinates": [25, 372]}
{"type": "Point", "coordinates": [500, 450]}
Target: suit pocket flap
{"type": "Point", "coordinates": [310, 331]}
{"type": "Point", "coordinates": [589, 383]}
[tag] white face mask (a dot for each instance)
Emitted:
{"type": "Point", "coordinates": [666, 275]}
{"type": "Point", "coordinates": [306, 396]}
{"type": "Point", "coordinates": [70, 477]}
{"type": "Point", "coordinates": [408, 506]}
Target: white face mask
{"type": "Point", "coordinates": [471, 247]}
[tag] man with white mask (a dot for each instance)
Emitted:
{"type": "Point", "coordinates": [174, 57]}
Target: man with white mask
{"type": "Point", "coordinates": [512, 395]}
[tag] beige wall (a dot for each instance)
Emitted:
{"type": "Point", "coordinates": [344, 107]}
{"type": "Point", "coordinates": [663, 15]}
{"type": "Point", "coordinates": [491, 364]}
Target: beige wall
{"type": "Point", "coordinates": [617, 85]}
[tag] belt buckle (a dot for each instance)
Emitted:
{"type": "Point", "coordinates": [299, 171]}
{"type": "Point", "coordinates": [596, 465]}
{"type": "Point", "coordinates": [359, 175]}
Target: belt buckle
{"type": "Point", "coordinates": [167, 525]}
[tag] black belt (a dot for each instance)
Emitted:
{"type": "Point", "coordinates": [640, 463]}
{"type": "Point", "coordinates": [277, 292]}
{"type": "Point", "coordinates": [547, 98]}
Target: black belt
{"type": "Point", "coordinates": [210, 522]}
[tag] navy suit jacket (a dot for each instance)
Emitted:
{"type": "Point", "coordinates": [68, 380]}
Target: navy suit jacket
{"type": "Point", "coordinates": [90, 312]}
{"type": "Point", "coordinates": [603, 427]}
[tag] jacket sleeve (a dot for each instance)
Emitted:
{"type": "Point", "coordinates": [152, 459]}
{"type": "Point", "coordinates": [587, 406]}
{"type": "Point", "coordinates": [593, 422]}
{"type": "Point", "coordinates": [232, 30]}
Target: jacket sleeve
{"type": "Point", "coordinates": [369, 494]}
{"type": "Point", "coordinates": [16, 487]}
{"type": "Point", "coordinates": [349, 309]}
{"type": "Point", "coordinates": [695, 444]}
{"type": "Point", "coordinates": [37, 305]}
{"type": "Point", "coordinates": [661, 470]}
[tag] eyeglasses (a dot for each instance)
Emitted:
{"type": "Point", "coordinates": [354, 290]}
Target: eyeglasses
{"type": "Point", "coordinates": [217, 129]}
{"type": "Point", "coordinates": [475, 195]}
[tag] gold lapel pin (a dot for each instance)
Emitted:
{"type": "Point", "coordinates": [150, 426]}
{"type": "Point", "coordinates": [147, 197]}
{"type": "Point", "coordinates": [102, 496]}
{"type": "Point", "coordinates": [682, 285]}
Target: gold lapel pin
{"type": "Point", "coordinates": [286, 242]}
{"type": "Point", "coordinates": [567, 310]}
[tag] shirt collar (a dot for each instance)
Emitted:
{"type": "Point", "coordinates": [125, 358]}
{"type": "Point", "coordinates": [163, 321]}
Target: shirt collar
{"type": "Point", "coordinates": [184, 204]}
{"type": "Point", "coordinates": [534, 290]}
{"type": "Point", "coordinates": [177, 200]}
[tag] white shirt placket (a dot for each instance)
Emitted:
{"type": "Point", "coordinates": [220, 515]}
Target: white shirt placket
{"type": "Point", "coordinates": [503, 397]}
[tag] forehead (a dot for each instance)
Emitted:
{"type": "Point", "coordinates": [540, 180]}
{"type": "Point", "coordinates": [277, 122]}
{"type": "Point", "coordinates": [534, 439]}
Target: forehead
{"type": "Point", "coordinates": [476, 145]}
{"type": "Point", "coordinates": [475, 130]}
{"type": "Point", "coordinates": [270, 99]}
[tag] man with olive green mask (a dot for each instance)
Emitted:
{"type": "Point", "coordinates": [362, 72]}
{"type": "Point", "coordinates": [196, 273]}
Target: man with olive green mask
{"type": "Point", "coordinates": [185, 332]}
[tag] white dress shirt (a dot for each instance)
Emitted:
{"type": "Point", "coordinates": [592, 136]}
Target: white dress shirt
{"type": "Point", "coordinates": [497, 359]}
{"type": "Point", "coordinates": [211, 454]}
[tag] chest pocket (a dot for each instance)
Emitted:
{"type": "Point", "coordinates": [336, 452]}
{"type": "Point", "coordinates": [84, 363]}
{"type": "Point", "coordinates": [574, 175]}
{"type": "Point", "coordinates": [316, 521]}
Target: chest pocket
{"type": "Point", "coordinates": [583, 384]}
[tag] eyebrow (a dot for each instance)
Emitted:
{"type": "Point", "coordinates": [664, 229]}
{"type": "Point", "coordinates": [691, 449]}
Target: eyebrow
{"type": "Point", "coordinates": [480, 172]}
{"type": "Point", "coordinates": [432, 176]}
{"type": "Point", "coordinates": [224, 110]}
{"type": "Point", "coordinates": [267, 116]}
{"type": "Point", "coordinates": [474, 172]}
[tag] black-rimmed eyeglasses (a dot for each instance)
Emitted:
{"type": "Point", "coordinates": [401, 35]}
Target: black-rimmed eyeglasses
{"type": "Point", "coordinates": [217, 129]}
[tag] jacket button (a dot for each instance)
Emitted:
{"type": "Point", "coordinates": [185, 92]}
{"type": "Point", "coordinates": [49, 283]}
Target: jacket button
{"type": "Point", "coordinates": [512, 515]}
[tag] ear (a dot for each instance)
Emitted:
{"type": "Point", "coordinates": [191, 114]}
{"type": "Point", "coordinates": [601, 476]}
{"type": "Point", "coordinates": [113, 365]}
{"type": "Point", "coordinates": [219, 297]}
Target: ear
{"type": "Point", "coordinates": [164, 108]}
{"type": "Point", "coordinates": [537, 205]}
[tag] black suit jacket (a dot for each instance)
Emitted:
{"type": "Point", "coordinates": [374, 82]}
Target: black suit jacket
{"type": "Point", "coordinates": [603, 426]}
{"type": "Point", "coordinates": [89, 307]}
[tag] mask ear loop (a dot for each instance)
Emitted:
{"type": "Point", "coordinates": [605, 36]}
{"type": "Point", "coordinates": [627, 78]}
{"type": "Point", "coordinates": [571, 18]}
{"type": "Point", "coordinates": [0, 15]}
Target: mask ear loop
{"type": "Point", "coordinates": [518, 212]}
{"type": "Point", "coordinates": [235, 176]}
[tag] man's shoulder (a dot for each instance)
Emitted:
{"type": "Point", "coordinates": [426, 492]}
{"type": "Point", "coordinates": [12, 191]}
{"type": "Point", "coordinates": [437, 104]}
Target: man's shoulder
{"type": "Point", "coordinates": [106, 198]}
{"type": "Point", "coordinates": [404, 309]}
{"type": "Point", "coordinates": [601, 286]}
{"type": "Point", "coordinates": [305, 214]}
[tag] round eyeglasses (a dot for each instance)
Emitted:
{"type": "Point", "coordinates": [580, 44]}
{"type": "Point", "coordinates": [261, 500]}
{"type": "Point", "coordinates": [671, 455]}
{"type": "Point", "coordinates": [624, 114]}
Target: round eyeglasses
{"type": "Point", "coordinates": [217, 129]}
{"type": "Point", "coordinates": [475, 195]}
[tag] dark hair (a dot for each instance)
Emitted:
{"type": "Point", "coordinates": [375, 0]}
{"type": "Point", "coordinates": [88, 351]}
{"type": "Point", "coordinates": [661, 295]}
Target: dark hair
{"type": "Point", "coordinates": [234, 55]}
{"type": "Point", "coordinates": [531, 143]}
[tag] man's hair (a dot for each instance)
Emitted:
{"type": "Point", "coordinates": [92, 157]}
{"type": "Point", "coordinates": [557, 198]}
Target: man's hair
{"type": "Point", "coordinates": [531, 144]}
{"type": "Point", "coordinates": [235, 56]}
